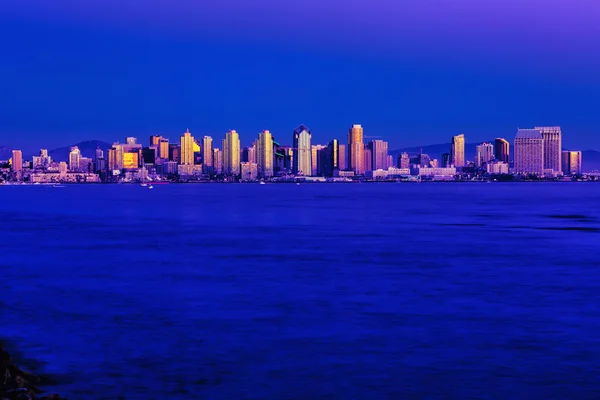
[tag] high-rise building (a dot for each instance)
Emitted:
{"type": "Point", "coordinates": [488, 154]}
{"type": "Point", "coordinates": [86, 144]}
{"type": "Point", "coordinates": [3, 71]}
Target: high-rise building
{"type": "Point", "coordinates": [529, 152]}
{"type": "Point", "coordinates": [457, 151]}
{"type": "Point", "coordinates": [572, 163]}
{"type": "Point", "coordinates": [552, 147]}
{"type": "Point", "coordinates": [368, 156]}
{"type": "Point", "coordinates": [390, 161]}
{"type": "Point", "coordinates": [175, 153]}
{"type": "Point", "coordinates": [231, 153]}
{"type": "Point", "coordinates": [218, 161]}
{"type": "Point", "coordinates": [112, 159]}
{"type": "Point", "coordinates": [99, 163]}
{"type": "Point", "coordinates": [302, 158]}
{"type": "Point", "coordinates": [342, 157]}
{"type": "Point", "coordinates": [424, 160]}
{"type": "Point", "coordinates": [187, 148]}
{"type": "Point", "coordinates": [446, 160]}
{"type": "Point", "coordinates": [333, 158]}
{"type": "Point", "coordinates": [502, 150]}
{"type": "Point", "coordinates": [249, 154]}
{"type": "Point", "coordinates": [42, 161]}
{"type": "Point", "coordinates": [315, 160]}
{"type": "Point", "coordinates": [155, 140]}
{"type": "Point", "coordinates": [17, 160]}
{"type": "Point", "coordinates": [264, 154]}
{"type": "Point", "coordinates": [379, 151]}
{"type": "Point", "coordinates": [74, 159]}
{"type": "Point", "coordinates": [403, 161]}
{"type": "Point", "coordinates": [207, 155]}
{"type": "Point", "coordinates": [356, 150]}
{"type": "Point", "coordinates": [249, 171]}
{"type": "Point", "coordinates": [163, 149]}
{"type": "Point", "coordinates": [485, 154]}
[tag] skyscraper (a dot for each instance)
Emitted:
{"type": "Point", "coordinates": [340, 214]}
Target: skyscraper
{"type": "Point", "coordinates": [457, 151]}
{"type": "Point", "coordinates": [356, 150]}
{"type": "Point", "coordinates": [163, 149]}
{"type": "Point", "coordinates": [316, 164]}
{"type": "Point", "coordinates": [333, 158]}
{"type": "Point", "coordinates": [17, 160]}
{"type": "Point", "coordinates": [74, 159]}
{"type": "Point", "coordinates": [572, 163]}
{"type": "Point", "coordinates": [231, 153]}
{"type": "Point", "coordinates": [218, 161]}
{"type": "Point", "coordinates": [207, 155]}
{"type": "Point", "coordinates": [264, 154]}
{"type": "Point", "coordinates": [502, 150]}
{"type": "Point", "coordinates": [155, 140]}
{"type": "Point", "coordinates": [552, 147]}
{"type": "Point", "coordinates": [99, 163]}
{"type": "Point", "coordinates": [302, 156]}
{"type": "Point", "coordinates": [187, 149]}
{"type": "Point", "coordinates": [368, 156]}
{"type": "Point", "coordinates": [342, 157]}
{"type": "Point", "coordinates": [403, 160]}
{"type": "Point", "coordinates": [485, 153]}
{"type": "Point", "coordinates": [379, 151]}
{"type": "Point", "coordinates": [529, 152]}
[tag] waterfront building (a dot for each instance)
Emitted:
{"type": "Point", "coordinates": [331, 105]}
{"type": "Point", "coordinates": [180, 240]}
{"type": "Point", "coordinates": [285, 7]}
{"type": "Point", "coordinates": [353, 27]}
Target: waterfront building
{"type": "Point", "coordinates": [163, 149]}
{"type": "Point", "coordinates": [434, 163]}
{"type": "Point", "coordinates": [356, 150]}
{"type": "Point", "coordinates": [457, 151]}
{"type": "Point", "coordinates": [99, 162]}
{"type": "Point", "coordinates": [446, 160]}
{"type": "Point", "coordinates": [186, 145]}
{"type": "Point", "coordinates": [264, 154]}
{"type": "Point", "coordinates": [207, 155]}
{"type": "Point", "coordinates": [423, 160]}
{"type": "Point", "coordinates": [434, 173]}
{"type": "Point", "coordinates": [502, 150]}
{"type": "Point", "coordinates": [42, 161]}
{"type": "Point", "coordinates": [175, 153]}
{"type": "Point", "coordinates": [249, 171]}
{"type": "Point", "coordinates": [17, 161]}
{"type": "Point", "coordinates": [249, 154]}
{"type": "Point", "coordinates": [572, 163]}
{"type": "Point", "coordinates": [149, 155]}
{"type": "Point", "coordinates": [403, 161]}
{"type": "Point", "coordinates": [552, 147]}
{"type": "Point", "coordinates": [495, 167]}
{"type": "Point", "coordinates": [529, 152]}
{"type": "Point", "coordinates": [112, 159]}
{"type": "Point", "coordinates": [302, 157]}
{"type": "Point", "coordinates": [342, 157]}
{"type": "Point", "coordinates": [231, 153]}
{"type": "Point", "coordinates": [155, 140]}
{"type": "Point", "coordinates": [368, 159]}
{"type": "Point", "coordinates": [218, 161]}
{"type": "Point", "coordinates": [332, 158]}
{"type": "Point", "coordinates": [379, 154]}
{"type": "Point", "coordinates": [390, 161]}
{"type": "Point", "coordinates": [86, 164]}
{"type": "Point", "coordinates": [63, 168]}
{"type": "Point", "coordinates": [315, 162]}
{"type": "Point", "coordinates": [74, 159]}
{"type": "Point", "coordinates": [485, 153]}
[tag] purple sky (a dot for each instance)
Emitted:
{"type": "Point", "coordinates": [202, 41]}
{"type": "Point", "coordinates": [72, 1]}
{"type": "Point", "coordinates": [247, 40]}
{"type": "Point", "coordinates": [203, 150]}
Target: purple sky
{"type": "Point", "coordinates": [521, 63]}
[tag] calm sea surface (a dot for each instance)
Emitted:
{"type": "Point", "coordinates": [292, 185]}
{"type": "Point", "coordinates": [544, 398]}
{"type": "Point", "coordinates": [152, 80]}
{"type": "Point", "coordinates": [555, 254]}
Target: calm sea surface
{"type": "Point", "coordinates": [324, 291]}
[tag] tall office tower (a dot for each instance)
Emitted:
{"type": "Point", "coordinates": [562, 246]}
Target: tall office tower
{"type": "Point", "coordinates": [131, 141]}
{"type": "Point", "coordinates": [446, 160]}
{"type": "Point", "coordinates": [502, 150]}
{"type": "Point", "coordinates": [485, 154]}
{"type": "Point", "coordinates": [74, 159]}
{"type": "Point", "coordinates": [175, 153]}
{"type": "Point", "coordinates": [99, 163]}
{"type": "Point", "coordinates": [218, 161]}
{"type": "Point", "coordinates": [207, 155]}
{"type": "Point", "coordinates": [356, 150]}
{"type": "Point", "coordinates": [403, 160]}
{"type": "Point", "coordinates": [343, 157]}
{"type": "Point", "coordinates": [264, 154]}
{"type": "Point", "coordinates": [379, 151]}
{"type": "Point", "coordinates": [390, 161]}
{"type": "Point", "coordinates": [529, 152]}
{"type": "Point", "coordinates": [314, 158]}
{"type": "Point", "coordinates": [457, 151]}
{"type": "Point", "coordinates": [231, 153]}
{"type": "Point", "coordinates": [112, 164]}
{"type": "Point", "coordinates": [17, 160]}
{"type": "Point", "coordinates": [424, 160]}
{"type": "Point", "coordinates": [155, 140]}
{"type": "Point", "coordinates": [368, 156]}
{"type": "Point", "coordinates": [302, 158]}
{"type": "Point", "coordinates": [163, 149]}
{"type": "Point", "coordinates": [552, 147]}
{"type": "Point", "coordinates": [187, 148]}
{"type": "Point", "coordinates": [572, 163]}
{"type": "Point", "coordinates": [333, 158]}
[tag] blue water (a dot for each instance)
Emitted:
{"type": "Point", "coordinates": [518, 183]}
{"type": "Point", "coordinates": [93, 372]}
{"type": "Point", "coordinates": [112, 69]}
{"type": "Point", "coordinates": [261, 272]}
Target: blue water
{"type": "Point", "coordinates": [365, 291]}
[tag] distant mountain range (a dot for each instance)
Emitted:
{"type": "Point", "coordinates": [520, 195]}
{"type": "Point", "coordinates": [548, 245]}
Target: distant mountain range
{"type": "Point", "coordinates": [87, 148]}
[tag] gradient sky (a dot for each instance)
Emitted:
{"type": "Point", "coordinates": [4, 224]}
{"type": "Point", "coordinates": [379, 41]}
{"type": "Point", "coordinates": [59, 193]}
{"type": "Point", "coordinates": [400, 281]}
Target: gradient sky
{"type": "Point", "coordinates": [412, 71]}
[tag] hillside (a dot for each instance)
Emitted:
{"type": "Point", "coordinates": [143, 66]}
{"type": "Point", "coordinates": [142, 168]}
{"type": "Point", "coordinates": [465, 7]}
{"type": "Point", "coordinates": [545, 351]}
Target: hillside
{"type": "Point", "coordinates": [87, 148]}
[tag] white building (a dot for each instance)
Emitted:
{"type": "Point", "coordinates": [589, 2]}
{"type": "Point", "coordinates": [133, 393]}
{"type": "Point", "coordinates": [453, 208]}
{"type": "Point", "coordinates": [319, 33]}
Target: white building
{"type": "Point", "coordinates": [529, 152]}
{"type": "Point", "coordinates": [447, 173]}
{"type": "Point", "coordinates": [552, 136]}
{"type": "Point", "coordinates": [302, 151]}
{"type": "Point", "coordinates": [496, 167]}
{"type": "Point", "coordinates": [249, 171]}
{"type": "Point", "coordinates": [485, 153]}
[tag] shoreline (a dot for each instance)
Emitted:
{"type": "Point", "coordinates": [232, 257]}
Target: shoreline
{"type": "Point", "coordinates": [17, 384]}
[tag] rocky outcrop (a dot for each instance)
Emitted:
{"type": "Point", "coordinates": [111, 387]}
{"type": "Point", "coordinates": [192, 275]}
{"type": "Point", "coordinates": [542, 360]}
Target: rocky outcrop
{"type": "Point", "coordinates": [16, 384]}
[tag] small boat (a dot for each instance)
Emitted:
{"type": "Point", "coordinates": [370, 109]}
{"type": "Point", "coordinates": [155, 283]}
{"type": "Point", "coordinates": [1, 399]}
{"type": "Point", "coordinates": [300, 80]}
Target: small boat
{"type": "Point", "coordinates": [144, 185]}
{"type": "Point", "coordinates": [297, 184]}
{"type": "Point", "coordinates": [262, 182]}
{"type": "Point", "coordinates": [150, 187]}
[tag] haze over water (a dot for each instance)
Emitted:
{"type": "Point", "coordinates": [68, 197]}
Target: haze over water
{"type": "Point", "coordinates": [366, 291]}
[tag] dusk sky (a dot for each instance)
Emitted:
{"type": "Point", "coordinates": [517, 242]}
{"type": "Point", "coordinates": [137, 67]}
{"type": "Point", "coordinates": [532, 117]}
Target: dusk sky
{"type": "Point", "coordinates": [412, 71]}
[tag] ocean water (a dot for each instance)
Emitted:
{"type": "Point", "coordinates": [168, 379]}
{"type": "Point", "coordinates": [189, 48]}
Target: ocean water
{"type": "Point", "coordinates": [324, 291]}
